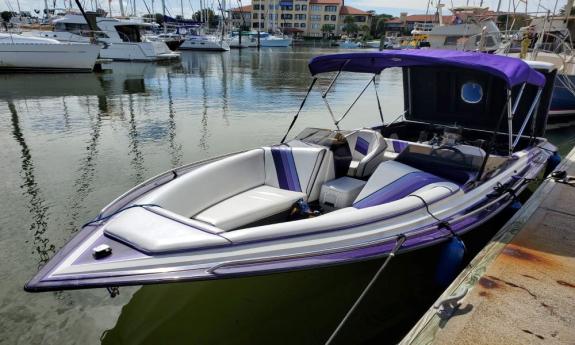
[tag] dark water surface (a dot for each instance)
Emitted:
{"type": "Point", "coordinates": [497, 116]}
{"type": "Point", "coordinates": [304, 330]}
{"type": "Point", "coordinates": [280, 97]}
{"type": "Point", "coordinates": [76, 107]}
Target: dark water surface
{"type": "Point", "coordinates": [72, 143]}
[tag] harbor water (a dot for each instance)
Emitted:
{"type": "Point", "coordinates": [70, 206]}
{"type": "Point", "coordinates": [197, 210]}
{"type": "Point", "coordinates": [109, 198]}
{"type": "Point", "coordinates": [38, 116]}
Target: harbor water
{"type": "Point", "coordinates": [72, 143]}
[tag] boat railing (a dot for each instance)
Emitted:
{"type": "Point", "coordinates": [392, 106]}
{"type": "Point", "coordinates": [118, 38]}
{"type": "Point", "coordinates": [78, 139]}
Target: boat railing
{"type": "Point", "coordinates": [560, 46]}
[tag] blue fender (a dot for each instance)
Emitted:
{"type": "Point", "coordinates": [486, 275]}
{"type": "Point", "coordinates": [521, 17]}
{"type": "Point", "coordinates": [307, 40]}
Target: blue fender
{"type": "Point", "coordinates": [552, 163]}
{"type": "Point", "coordinates": [450, 261]}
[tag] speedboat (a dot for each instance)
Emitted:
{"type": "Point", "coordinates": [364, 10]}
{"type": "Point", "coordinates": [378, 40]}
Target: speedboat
{"type": "Point", "coordinates": [29, 54]}
{"type": "Point", "coordinates": [121, 39]}
{"type": "Point", "coordinates": [468, 142]}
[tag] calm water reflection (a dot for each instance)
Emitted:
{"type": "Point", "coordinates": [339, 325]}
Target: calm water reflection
{"type": "Point", "coordinates": [72, 143]}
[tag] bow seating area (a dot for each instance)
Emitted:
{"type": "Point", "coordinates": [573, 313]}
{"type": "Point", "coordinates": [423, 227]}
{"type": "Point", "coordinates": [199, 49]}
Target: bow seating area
{"type": "Point", "coordinates": [247, 187]}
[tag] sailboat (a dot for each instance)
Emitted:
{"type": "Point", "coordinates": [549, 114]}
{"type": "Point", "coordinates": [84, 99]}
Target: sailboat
{"type": "Point", "coordinates": [199, 40]}
{"type": "Point", "coordinates": [470, 141]}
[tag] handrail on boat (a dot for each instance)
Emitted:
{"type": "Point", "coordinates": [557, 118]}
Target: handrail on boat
{"type": "Point", "coordinates": [511, 192]}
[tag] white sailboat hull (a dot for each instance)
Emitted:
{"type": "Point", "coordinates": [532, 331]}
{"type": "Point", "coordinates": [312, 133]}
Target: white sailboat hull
{"type": "Point", "coordinates": [205, 44]}
{"type": "Point", "coordinates": [276, 42]}
{"type": "Point", "coordinates": [48, 57]}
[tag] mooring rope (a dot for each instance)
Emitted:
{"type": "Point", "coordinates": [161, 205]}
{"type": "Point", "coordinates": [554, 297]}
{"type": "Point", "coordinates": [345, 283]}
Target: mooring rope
{"type": "Point", "coordinates": [400, 240]}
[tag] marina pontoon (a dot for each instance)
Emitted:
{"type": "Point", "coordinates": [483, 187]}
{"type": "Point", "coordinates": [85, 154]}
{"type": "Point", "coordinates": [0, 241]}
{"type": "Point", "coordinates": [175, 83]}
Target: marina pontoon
{"type": "Point", "coordinates": [471, 139]}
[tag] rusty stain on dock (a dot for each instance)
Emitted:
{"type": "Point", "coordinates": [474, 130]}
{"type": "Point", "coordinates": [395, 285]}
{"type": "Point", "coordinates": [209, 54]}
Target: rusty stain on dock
{"type": "Point", "coordinates": [522, 284]}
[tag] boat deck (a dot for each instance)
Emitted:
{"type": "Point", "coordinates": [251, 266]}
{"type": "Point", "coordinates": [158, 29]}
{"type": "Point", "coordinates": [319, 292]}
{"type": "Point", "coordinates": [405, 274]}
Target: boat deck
{"type": "Point", "coordinates": [521, 286]}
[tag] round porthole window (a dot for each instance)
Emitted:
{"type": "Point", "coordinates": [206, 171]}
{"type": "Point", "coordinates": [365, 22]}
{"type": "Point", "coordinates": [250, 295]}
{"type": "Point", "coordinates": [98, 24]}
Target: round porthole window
{"type": "Point", "coordinates": [471, 92]}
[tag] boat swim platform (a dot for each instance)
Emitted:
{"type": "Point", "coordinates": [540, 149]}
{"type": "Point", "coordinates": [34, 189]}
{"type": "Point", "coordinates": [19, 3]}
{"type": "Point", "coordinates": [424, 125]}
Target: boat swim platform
{"type": "Point", "coordinates": [521, 286]}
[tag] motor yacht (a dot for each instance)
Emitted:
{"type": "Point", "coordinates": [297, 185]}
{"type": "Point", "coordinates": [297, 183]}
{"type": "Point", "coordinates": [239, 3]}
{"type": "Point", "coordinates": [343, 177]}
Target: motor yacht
{"type": "Point", "coordinates": [120, 39]}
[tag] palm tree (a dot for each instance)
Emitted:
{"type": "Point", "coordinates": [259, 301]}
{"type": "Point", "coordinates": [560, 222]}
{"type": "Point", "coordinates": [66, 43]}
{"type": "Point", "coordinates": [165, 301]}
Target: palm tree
{"type": "Point", "coordinates": [350, 26]}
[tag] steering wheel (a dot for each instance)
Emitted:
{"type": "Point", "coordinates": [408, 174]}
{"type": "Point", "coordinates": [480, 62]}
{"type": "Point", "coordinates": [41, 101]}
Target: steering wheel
{"type": "Point", "coordinates": [456, 154]}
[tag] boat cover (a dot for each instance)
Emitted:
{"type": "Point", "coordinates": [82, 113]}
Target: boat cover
{"type": "Point", "coordinates": [512, 70]}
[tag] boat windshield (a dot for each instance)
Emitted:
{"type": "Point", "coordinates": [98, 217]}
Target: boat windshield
{"type": "Point", "coordinates": [129, 33]}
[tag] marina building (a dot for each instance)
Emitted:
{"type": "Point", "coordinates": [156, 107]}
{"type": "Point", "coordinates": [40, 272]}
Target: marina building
{"type": "Point", "coordinates": [311, 18]}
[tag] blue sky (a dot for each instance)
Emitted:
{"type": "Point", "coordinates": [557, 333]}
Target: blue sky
{"type": "Point", "coordinates": [393, 7]}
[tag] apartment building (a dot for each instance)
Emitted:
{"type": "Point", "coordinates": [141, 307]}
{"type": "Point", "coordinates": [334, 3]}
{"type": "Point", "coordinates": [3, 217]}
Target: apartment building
{"type": "Point", "coordinates": [241, 16]}
{"type": "Point", "coordinates": [305, 17]}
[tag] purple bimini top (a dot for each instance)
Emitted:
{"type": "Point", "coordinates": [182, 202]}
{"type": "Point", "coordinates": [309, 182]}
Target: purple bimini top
{"type": "Point", "coordinates": [514, 71]}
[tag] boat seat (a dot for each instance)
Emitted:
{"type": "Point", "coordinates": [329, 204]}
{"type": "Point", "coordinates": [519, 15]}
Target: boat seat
{"type": "Point", "coordinates": [156, 230]}
{"type": "Point", "coordinates": [291, 174]}
{"type": "Point", "coordinates": [367, 147]}
{"type": "Point", "coordinates": [392, 181]}
{"type": "Point", "coordinates": [459, 168]}
{"type": "Point", "coordinates": [250, 206]}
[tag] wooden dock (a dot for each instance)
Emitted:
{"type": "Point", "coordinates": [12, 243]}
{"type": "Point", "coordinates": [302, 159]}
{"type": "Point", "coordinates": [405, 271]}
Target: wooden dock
{"type": "Point", "coordinates": [521, 286]}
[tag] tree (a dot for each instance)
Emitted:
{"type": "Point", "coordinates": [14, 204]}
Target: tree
{"type": "Point", "coordinates": [327, 29]}
{"type": "Point", "coordinates": [350, 26]}
{"type": "Point", "coordinates": [6, 16]}
{"type": "Point", "coordinates": [365, 29]}
{"type": "Point", "coordinates": [378, 24]}
{"type": "Point", "coordinates": [212, 17]}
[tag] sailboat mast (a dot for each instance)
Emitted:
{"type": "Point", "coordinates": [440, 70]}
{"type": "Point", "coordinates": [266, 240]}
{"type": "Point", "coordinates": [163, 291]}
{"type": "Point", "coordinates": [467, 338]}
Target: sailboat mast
{"type": "Point", "coordinates": [182, 7]}
{"type": "Point", "coordinates": [164, 14]}
{"type": "Point", "coordinates": [122, 8]}
{"type": "Point", "coordinates": [223, 12]}
{"type": "Point", "coordinates": [201, 12]}
{"type": "Point", "coordinates": [568, 9]}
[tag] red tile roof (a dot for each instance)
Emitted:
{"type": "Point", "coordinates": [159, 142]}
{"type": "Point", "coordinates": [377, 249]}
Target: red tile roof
{"type": "Point", "coordinates": [326, 2]}
{"type": "Point", "coordinates": [394, 21]}
{"type": "Point", "coordinates": [245, 9]}
{"type": "Point", "coordinates": [353, 11]}
{"type": "Point", "coordinates": [427, 18]}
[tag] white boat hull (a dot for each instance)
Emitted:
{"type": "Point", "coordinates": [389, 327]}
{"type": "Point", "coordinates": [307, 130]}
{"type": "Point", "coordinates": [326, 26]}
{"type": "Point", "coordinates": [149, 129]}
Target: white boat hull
{"type": "Point", "coordinates": [235, 43]}
{"type": "Point", "coordinates": [143, 51]}
{"type": "Point", "coordinates": [120, 51]}
{"type": "Point", "coordinates": [48, 57]}
{"type": "Point", "coordinates": [276, 42]}
{"type": "Point", "coordinates": [198, 44]}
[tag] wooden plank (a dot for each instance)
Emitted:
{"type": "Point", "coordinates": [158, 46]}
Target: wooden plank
{"type": "Point", "coordinates": [425, 331]}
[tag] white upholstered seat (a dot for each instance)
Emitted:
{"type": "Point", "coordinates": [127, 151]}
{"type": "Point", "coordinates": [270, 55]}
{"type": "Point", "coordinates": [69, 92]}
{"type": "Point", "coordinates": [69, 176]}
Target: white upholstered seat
{"type": "Point", "coordinates": [392, 181]}
{"type": "Point", "coordinates": [248, 207]}
{"type": "Point", "coordinates": [367, 147]}
{"type": "Point", "coordinates": [154, 230]}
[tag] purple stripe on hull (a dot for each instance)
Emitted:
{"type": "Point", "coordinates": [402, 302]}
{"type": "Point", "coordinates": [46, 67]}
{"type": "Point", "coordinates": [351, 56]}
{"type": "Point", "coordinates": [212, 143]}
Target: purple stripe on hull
{"type": "Point", "coordinates": [398, 189]}
{"type": "Point", "coordinates": [361, 146]}
{"type": "Point", "coordinates": [285, 168]}
{"type": "Point", "coordinates": [399, 145]}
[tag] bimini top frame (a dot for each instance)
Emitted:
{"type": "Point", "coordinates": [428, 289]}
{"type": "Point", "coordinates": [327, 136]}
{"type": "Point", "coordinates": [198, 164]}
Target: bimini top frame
{"type": "Point", "coordinates": [514, 72]}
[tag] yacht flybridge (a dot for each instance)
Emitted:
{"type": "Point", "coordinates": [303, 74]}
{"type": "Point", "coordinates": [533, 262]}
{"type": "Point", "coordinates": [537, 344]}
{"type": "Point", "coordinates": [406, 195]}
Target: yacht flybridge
{"type": "Point", "coordinates": [121, 39]}
{"type": "Point", "coordinates": [470, 140]}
